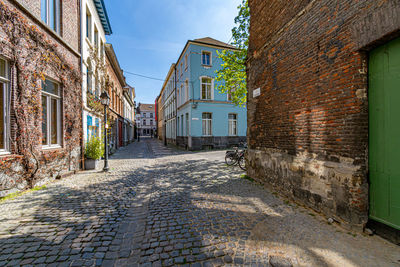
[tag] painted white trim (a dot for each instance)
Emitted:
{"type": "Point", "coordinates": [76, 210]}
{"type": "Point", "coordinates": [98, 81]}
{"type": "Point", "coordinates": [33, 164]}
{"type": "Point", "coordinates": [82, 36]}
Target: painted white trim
{"type": "Point", "coordinates": [58, 99]}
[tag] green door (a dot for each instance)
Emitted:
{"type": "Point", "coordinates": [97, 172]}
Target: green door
{"type": "Point", "coordinates": [384, 133]}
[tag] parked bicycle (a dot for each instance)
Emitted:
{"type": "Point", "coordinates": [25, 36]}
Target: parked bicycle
{"type": "Point", "coordinates": [233, 157]}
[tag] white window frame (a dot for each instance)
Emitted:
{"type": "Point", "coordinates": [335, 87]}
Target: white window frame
{"type": "Point", "coordinates": [6, 82]}
{"type": "Point", "coordinates": [206, 52]}
{"type": "Point", "coordinates": [89, 26]}
{"type": "Point", "coordinates": [206, 125]}
{"type": "Point", "coordinates": [49, 97]}
{"type": "Point", "coordinates": [46, 17]}
{"type": "Point", "coordinates": [186, 62]}
{"type": "Point", "coordinates": [232, 125]}
{"type": "Point", "coordinates": [211, 88]}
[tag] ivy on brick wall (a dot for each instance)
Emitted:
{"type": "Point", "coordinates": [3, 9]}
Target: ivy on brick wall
{"type": "Point", "coordinates": [32, 56]}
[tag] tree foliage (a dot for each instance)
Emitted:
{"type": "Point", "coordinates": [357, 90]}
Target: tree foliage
{"type": "Point", "coordinates": [232, 74]}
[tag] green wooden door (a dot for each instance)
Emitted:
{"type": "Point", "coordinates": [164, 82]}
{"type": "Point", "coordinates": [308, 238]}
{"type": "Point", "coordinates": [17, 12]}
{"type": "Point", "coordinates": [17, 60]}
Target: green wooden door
{"type": "Point", "coordinates": [384, 133]}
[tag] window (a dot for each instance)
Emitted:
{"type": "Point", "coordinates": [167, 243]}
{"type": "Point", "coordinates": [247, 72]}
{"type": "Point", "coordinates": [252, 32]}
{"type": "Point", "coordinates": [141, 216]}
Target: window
{"type": "Point", "coordinates": [187, 124]}
{"type": "Point", "coordinates": [151, 115]}
{"type": "Point", "coordinates": [96, 37]}
{"type": "Point", "coordinates": [88, 25]}
{"type": "Point", "coordinates": [186, 62]}
{"type": "Point", "coordinates": [229, 95]}
{"type": "Point", "coordinates": [51, 114]}
{"type": "Point", "coordinates": [207, 124]}
{"type": "Point", "coordinates": [187, 90]}
{"type": "Point", "coordinates": [181, 125]}
{"type": "Point", "coordinates": [232, 124]}
{"type": "Point", "coordinates": [179, 97]}
{"type": "Point", "coordinates": [206, 88]}
{"type": "Point", "coordinates": [144, 122]}
{"type": "Point", "coordinates": [206, 58]}
{"type": "Point", "coordinates": [50, 13]}
{"type": "Point", "coordinates": [183, 97]}
{"type": "Point", "coordinates": [101, 49]}
{"type": "Point", "coordinates": [4, 94]}
{"type": "Point", "coordinates": [144, 115]}
{"type": "Point", "coordinates": [178, 127]}
{"type": "Point", "coordinates": [151, 122]}
{"type": "Point", "coordinates": [181, 69]}
{"type": "Point", "coordinates": [89, 77]}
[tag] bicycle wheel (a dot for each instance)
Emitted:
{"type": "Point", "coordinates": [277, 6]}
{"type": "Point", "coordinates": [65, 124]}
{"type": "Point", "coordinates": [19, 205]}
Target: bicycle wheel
{"type": "Point", "coordinates": [242, 162]}
{"type": "Point", "coordinates": [230, 159]}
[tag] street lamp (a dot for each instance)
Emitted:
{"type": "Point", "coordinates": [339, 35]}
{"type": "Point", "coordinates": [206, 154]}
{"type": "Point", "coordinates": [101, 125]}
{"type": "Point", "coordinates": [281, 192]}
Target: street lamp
{"type": "Point", "coordinates": [105, 100]}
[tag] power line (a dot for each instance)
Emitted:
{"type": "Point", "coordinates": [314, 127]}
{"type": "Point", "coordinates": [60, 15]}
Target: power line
{"type": "Point", "coordinates": [144, 76]}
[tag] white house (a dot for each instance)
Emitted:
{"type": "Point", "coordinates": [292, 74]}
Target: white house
{"type": "Point", "coordinates": [95, 26]}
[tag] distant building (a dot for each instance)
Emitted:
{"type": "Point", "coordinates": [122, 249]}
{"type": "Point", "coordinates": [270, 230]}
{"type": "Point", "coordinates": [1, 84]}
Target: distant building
{"type": "Point", "coordinates": [116, 92]}
{"type": "Point", "coordinates": [168, 103]}
{"type": "Point", "coordinates": [129, 114]}
{"type": "Point", "coordinates": [160, 117]}
{"type": "Point", "coordinates": [198, 116]}
{"type": "Point", "coordinates": [146, 120]}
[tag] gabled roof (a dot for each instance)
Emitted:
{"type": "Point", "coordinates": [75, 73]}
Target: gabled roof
{"type": "Point", "coordinates": [101, 10]}
{"type": "Point", "coordinates": [211, 41]}
{"type": "Point", "coordinates": [147, 107]}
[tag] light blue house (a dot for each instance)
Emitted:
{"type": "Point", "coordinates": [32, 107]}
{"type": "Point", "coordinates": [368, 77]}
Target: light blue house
{"type": "Point", "coordinates": [205, 118]}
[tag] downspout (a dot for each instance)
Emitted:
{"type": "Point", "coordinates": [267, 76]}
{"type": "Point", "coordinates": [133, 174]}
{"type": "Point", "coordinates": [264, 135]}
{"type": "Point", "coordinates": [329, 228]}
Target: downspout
{"type": "Point", "coordinates": [81, 48]}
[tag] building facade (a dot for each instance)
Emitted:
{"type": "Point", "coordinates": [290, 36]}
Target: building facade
{"type": "Point", "coordinates": [206, 118]}
{"type": "Point", "coordinates": [116, 87]}
{"type": "Point", "coordinates": [160, 117]}
{"type": "Point", "coordinates": [169, 106]}
{"type": "Point", "coordinates": [146, 120]}
{"type": "Point", "coordinates": [40, 93]}
{"type": "Point", "coordinates": [129, 114]}
{"type": "Point", "coordinates": [322, 94]}
{"type": "Point", "coordinates": [95, 26]}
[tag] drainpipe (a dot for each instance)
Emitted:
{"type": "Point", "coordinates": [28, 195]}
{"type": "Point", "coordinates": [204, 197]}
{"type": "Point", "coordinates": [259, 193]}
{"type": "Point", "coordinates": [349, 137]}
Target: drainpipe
{"type": "Point", "coordinates": [81, 48]}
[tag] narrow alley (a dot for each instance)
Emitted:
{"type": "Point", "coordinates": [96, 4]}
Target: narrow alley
{"type": "Point", "coordinates": [161, 207]}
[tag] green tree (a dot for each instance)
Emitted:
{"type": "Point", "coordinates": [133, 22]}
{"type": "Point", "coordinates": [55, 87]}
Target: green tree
{"type": "Point", "coordinates": [232, 74]}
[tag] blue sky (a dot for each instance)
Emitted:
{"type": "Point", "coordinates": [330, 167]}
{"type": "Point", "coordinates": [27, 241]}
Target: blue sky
{"type": "Point", "coordinates": [149, 35]}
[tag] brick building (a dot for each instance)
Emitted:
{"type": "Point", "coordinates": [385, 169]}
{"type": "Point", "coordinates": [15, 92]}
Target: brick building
{"type": "Point", "coordinates": [321, 99]}
{"type": "Point", "coordinates": [116, 92]}
{"type": "Point", "coordinates": [40, 92]}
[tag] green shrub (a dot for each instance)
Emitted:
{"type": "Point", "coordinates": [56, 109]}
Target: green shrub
{"type": "Point", "coordinates": [94, 148]}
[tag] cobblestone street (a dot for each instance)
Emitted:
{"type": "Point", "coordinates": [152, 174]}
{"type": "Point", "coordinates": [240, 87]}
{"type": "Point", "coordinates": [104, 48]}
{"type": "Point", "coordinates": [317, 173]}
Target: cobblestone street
{"type": "Point", "coordinates": [161, 207]}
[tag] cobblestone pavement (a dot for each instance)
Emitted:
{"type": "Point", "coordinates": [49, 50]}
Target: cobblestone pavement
{"type": "Point", "coordinates": [161, 207]}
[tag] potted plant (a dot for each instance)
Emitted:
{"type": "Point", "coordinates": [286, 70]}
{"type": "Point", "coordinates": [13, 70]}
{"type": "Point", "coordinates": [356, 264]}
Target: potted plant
{"type": "Point", "coordinates": [93, 152]}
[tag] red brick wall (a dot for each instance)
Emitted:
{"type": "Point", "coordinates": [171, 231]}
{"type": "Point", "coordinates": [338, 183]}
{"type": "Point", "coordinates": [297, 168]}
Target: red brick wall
{"type": "Point", "coordinates": [29, 62]}
{"type": "Point", "coordinates": [69, 19]}
{"type": "Point", "coordinates": [310, 60]}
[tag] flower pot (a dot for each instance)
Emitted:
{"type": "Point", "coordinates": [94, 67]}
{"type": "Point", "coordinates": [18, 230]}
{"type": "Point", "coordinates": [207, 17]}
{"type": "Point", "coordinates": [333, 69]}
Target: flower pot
{"type": "Point", "coordinates": [91, 164]}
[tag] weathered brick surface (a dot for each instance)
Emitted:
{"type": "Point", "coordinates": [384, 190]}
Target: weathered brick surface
{"type": "Point", "coordinates": [69, 19]}
{"type": "Point", "coordinates": [310, 136]}
{"type": "Point", "coordinates": [27, 59]}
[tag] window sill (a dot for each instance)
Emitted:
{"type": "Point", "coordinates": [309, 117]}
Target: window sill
{"type": "Point", "coordinates": [206, 66]}
{"type": "Point", "coordinates": [4, 153]}
{"type": "Point", "coordinates": [53, 147]}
